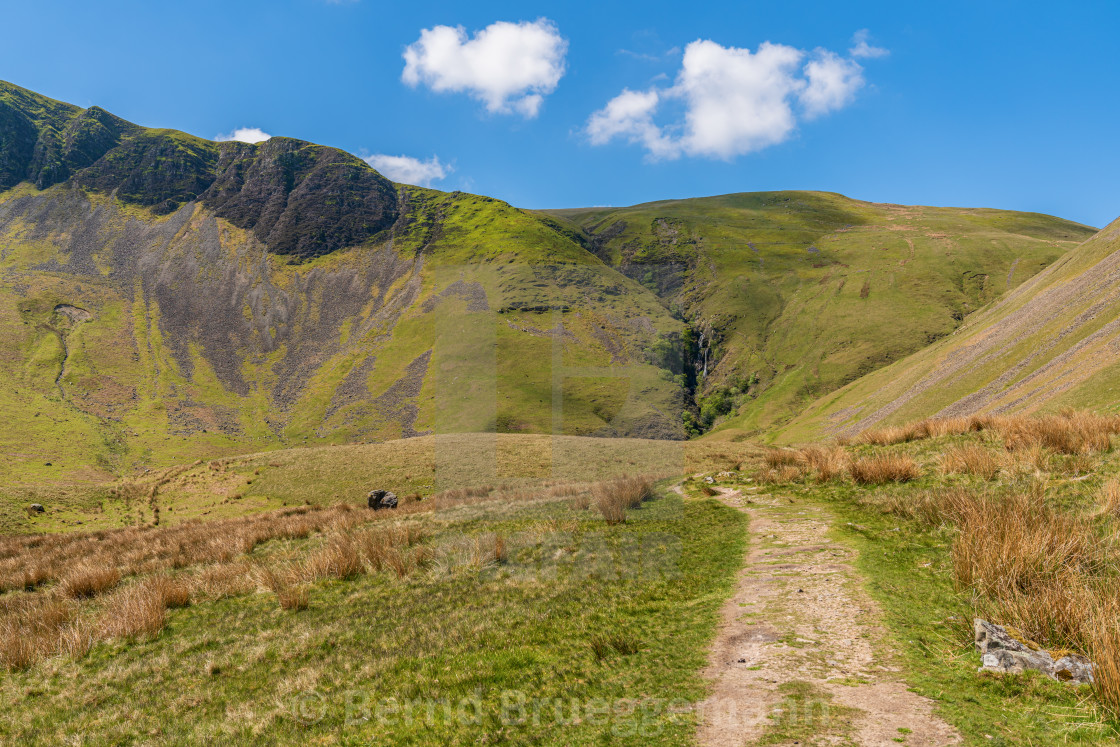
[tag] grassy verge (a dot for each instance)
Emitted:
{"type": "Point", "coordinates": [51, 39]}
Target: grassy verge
{"type": "Point", "coordinates": [909, 573]}
{"type": "Point", "coordinates": [583, 633]}
{"type": "Point", "coordinates": [1010, 519]}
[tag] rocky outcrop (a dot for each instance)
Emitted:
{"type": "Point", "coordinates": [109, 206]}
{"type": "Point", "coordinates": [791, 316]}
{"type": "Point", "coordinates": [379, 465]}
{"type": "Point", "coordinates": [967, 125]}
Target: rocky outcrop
{"type": "Point", "coordinates": [297, 197]}
{"type": "Point", "coordinates": [1002, 652]}
{"type": "Point", "coordinates": [379, 499]}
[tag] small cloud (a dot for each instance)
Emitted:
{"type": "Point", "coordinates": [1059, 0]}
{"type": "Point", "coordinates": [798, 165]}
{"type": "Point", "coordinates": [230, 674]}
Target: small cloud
{"type": "Point", "coordinates": [862, 49]}
{"type": "Point", "coordinates": [244, 135]}
{"type": "Point", "coordinates": [735, 101]}
{"type": "Point", "coordinates": [409, 170]}
{"type": "Point", "coordinates": [833, 82]}
{"type": "Point", "coordinates": [510, 67]}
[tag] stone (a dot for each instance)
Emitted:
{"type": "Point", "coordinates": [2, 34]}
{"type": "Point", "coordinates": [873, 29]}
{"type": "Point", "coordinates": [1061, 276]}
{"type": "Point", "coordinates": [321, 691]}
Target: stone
{"type": "Point", "coordinates": [1002, 652]}
{"type": "Point", "coordinates": [379, 499]}
{"type": "Point", "coordinates": [36, 508]}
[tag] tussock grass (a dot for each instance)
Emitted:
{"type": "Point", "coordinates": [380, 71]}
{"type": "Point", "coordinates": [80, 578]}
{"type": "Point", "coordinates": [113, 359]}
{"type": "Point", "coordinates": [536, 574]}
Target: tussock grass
{"type": "Point", "coordinates": [775, 458]}
{"type": "Point", "coordinates": [614, 497]}
{"type": "Point", "coordinates": [90, 579]}
{"type": "Point", "coordinates": [1071, 432]}
{"type": "Point", "coordinates": [137, 611]}
{"type": "Point", "coordinates": [120, 584]}
{"type": "Point", "coordinates": [971, 459]}
{"type": "Point", "coordinates": [1034, 553]}
{"type": "Point", "coordinates": [879, 469]}
{"type": "Point", "coordinates": [828, 462]}
{"type": "Point", "coordinates": [1109, 499]}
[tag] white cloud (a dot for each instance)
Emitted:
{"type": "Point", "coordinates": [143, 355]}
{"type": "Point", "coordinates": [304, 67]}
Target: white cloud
{"type": "Point", "coordinates": [244, 135]}
{"type": "Point", "coordinates": [862, 49]}
{"type": "Point", "coordinates": [510, 67]}
{"type": "Point", "coordinates": [630, 115]}
{"type": "Point", "coordinates": [833, 82]}
{"type": "Point", "coordinates": [735, 101]}
{"type": "Point", "coordinates": [409, 170]}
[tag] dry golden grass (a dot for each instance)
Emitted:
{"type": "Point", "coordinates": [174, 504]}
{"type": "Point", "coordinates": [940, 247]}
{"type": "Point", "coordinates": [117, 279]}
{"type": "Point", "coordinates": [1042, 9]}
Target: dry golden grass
{"type": "Point", "coordinates": [776, 458]}
{"type": "Point", "coordinates": [971, 459]}
{"type": "Point", "coordinates": [779, 475]}
{"type": "Point", "coordinates": [1027, 560]}
{"type": "Point", "coordinates": [1071, 432]}
{"type": "Point", "coordinates": [887, 436]}
{"type": "Point", "coordinates": [1104, 637]}
{"type": "Point", "coordinates": [828, 462]}
{"type": "Point", "coordinates": [137, 611]}
{"type": "Point", "coordinates": [120, 584]}
{"type": "Point", "coordinates": [614, 497]}
{"type": "Point", "coordinates": [172, 592]}
{"type": "Point", "coordinates": [90, 579]}
{"type": "Point", "coordinates": [499, 553]}
{"type": "Point", "coordinates": [1109, 499]}
{"type": "Point", "coordinates": [930, 507]}
{"type": "Point", "coordinates": [884, 468]}
{"type": "Point", "coordinates": [341, 559]}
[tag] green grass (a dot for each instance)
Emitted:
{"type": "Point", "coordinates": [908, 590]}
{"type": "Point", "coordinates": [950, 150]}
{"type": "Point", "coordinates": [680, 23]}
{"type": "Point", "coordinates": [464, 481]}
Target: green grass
{"type": "Point", "coordinates": [1040, 349]}
{"type": "Point", "coordinates": [240, 670]}
{"type": "Point", "coordinates": [346, 473]}
{"type": "Point", "coordinates": [907, 573]}
{"type": "Point", "coordinates": [141, 390]}
{"type": "Point", "coordinates": [806, 291]}
{"type": "Point", "coordinates": [907, 569]}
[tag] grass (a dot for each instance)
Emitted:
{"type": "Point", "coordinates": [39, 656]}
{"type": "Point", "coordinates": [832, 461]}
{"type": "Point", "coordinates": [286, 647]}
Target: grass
{"type": "Point", "coordinates": [807, 291]}
{"type": "Point", "coordinates": [1040, 349]}
{"type": "Point", "coordinates": [461, 625]}
{"type": "Point", "coordinates": [883, 468]}
{"type": "Point", "coordinates": [237, 486]}
{"type": "Point", "coordinates": [1010, 519]}
{"type": "Point", "coordinates": [614, 498]}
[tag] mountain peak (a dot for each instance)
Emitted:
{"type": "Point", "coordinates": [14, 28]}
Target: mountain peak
{"type": "Point", "coordinates": [298, 198]}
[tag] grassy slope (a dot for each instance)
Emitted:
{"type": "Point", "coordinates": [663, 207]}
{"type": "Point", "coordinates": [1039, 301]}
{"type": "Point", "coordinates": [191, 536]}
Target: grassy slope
{"type": "Point", "coordinates": [1045, 346]}
{"type": "Point", "coordinates": [138, 392]}
{"type": "Point", "coordinates": [808, 291]}
{"type": "Point", "coordinates": [321, 475]}
{"type": "Point", "coordinates": [236, 670]}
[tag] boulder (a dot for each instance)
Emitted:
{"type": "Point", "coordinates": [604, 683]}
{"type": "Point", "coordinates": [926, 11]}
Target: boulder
{"type": "Point", "coordinates": [1000, 651]}
{"type": "Point", "coordinates": [36, 508]}
{"type": "Point", "coordinates": [379, 499]}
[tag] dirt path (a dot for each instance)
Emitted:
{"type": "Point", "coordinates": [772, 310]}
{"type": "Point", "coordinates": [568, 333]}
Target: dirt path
{"type": "Point", "coordinates": [800, 657]}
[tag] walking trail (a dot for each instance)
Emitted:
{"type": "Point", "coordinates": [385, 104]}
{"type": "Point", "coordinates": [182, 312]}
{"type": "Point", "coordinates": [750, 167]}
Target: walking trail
{"type": "Point", "coordinates": [800, 656]}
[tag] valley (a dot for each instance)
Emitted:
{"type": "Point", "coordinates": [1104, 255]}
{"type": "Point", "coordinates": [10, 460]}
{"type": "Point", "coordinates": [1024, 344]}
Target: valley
{"type": "Point", "coordinates": [770, 452]}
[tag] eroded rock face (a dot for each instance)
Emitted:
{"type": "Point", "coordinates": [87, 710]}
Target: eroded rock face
{"type": "Point", "coordinates": [1004, 653]}
{"type": "Point", "coordinates": [298, 198]}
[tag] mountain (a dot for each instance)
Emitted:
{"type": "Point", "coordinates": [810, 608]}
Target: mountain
{"type": "Point", "coordinates": [1051, 343]}
{"type": "Point", "coordinates": [795, 294]}
{"type": "Point", "coordinates": [165, 298]}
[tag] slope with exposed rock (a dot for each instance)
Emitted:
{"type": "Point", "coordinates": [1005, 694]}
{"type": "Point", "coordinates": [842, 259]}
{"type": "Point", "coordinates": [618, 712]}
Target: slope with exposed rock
{"type": "Point", "coordinates": [1053, 342]}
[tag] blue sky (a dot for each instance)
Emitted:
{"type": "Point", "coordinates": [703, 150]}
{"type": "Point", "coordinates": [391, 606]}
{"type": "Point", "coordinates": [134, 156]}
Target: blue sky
{"type": "Point", "coordinates": [1008, 105]}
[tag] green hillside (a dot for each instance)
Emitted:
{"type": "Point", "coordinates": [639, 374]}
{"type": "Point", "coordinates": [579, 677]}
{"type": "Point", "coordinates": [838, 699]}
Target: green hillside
{"type": "Point", "coordinates": [165, 298]}
{"type": "Point", "coordinates": [797, 293]}
{"type": "Point", "coordinates": [1049, 344]}
{"type": "Point", "coordinates": [286, 293]}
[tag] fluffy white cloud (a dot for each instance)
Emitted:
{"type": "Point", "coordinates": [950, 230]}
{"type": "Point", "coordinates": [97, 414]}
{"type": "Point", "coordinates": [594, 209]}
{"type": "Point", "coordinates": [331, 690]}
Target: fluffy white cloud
{"type": "Point", "coordinates": [245, 135]}
{"type": "Point", "coordinates": [735, 101]}
{"type": "Point", "coordinates": [833, 82]}
{"type": "Point", "coordinates": [630, 115]}
{"type": "Point", "coordinates": [409, 170]}
{"type": "Point", "coordinates": [861, 47]}
{"type": "Point", "coordinates": [510, 67]}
